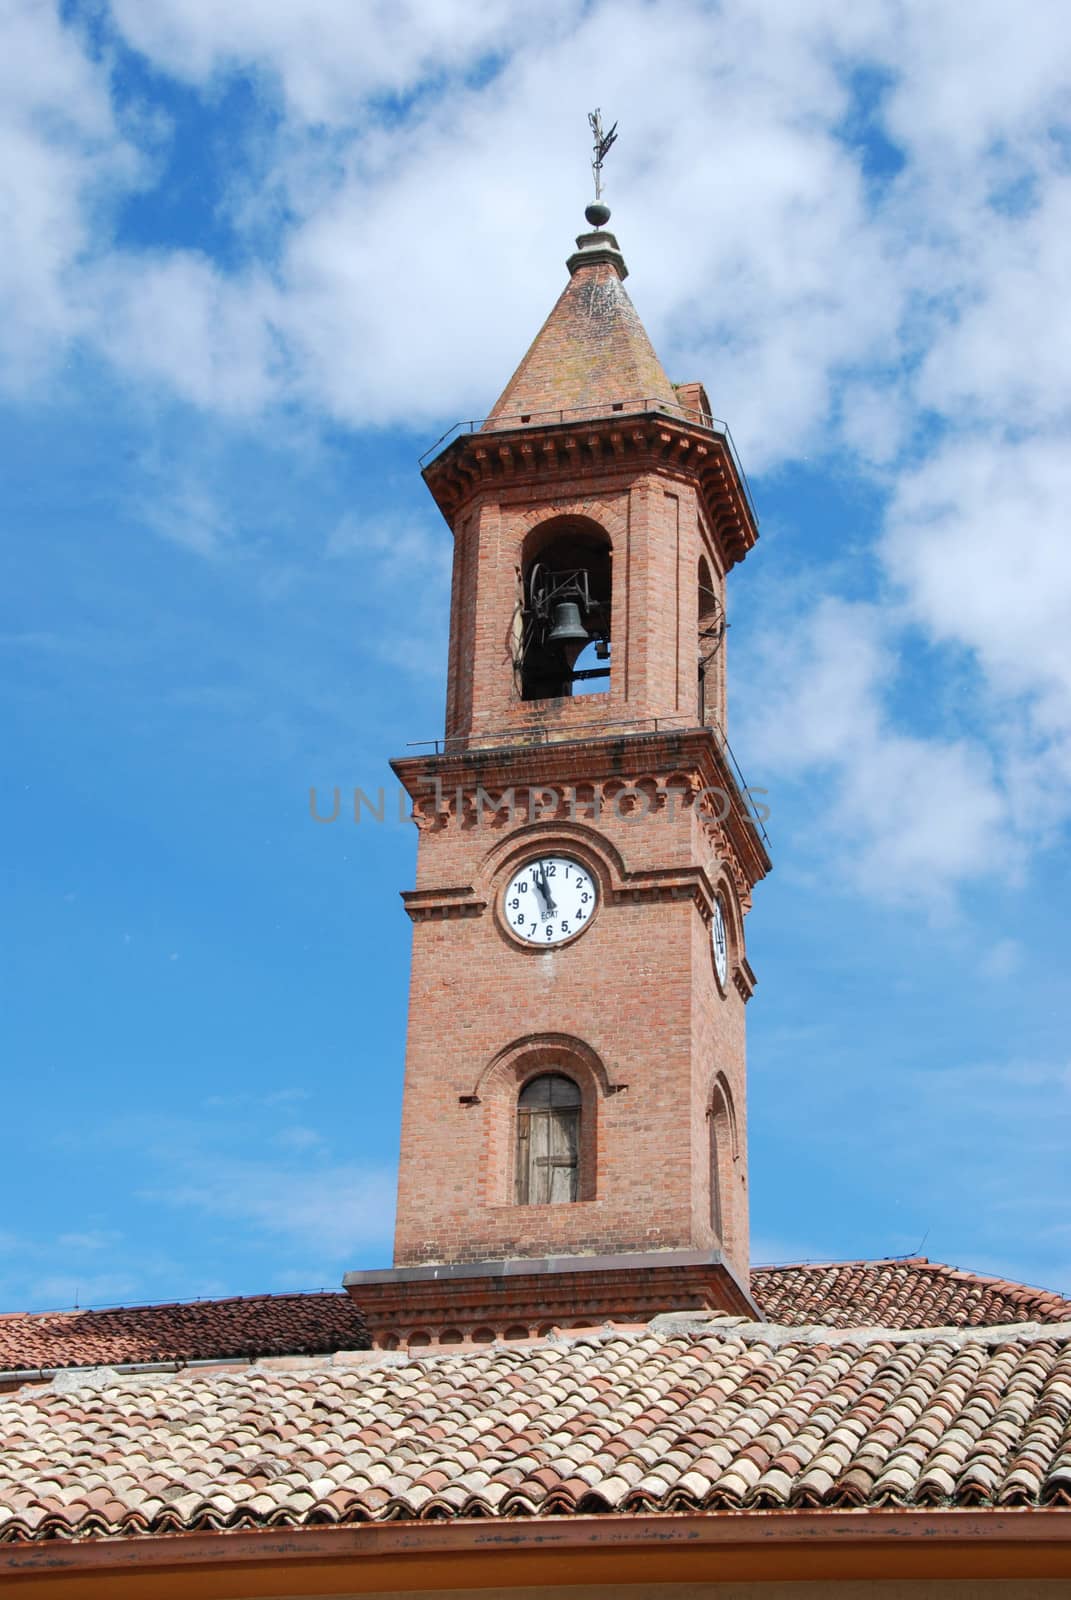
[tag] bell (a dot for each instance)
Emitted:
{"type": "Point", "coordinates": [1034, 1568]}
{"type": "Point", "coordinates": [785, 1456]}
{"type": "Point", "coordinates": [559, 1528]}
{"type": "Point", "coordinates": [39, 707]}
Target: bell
{"type": "Point", "coordinates": [567, 627]}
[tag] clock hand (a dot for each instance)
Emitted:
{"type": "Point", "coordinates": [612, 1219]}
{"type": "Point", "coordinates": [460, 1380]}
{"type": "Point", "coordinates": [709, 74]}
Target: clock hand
{"type": "Point", "coordinates": [548, 898]}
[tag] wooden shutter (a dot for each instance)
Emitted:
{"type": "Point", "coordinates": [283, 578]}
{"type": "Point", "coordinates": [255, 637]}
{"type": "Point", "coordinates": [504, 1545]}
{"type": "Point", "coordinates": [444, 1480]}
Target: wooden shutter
{"type": "Point", "coordinates": [548, 1140]}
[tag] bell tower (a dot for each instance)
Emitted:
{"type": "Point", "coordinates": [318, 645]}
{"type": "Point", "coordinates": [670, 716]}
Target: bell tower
{"type": "Point", "coordinates": [574, 1123]}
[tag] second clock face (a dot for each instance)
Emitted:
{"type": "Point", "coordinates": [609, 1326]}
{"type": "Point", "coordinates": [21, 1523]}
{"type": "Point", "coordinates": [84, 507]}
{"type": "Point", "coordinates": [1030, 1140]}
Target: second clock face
{"type": "Point", "coordinates": [719, 942]}
{"type": "Point", "coordinates": [549, 899]}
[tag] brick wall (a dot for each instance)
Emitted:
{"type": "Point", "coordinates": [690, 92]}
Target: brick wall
{"type": "Point", "coordinates": [632, 1008]}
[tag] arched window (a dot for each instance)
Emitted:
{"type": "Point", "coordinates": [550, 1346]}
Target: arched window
{"type": "Point", "coordinates": [567, 584]}
{"type": "Point", "coordinates": [711, 634]}
{"type": "Point", "coordinates": [548, 1140]}
{"type": "Point", "coordinates": [722, 1140]}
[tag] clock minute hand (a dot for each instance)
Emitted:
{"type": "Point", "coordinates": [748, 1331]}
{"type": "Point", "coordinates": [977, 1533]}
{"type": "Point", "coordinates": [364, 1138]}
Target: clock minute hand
{"type": "Point", "coordinates": [544, 889]}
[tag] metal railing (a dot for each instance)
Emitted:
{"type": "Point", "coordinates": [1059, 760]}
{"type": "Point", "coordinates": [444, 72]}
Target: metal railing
{"type": "Point", "coordinates": [542, 733]}
{"type": "Point", "coordinates": [622, 410]}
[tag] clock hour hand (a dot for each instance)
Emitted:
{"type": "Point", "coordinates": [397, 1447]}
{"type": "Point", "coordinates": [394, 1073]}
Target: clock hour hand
{"type": "Point", "coordinates": [549, 908]}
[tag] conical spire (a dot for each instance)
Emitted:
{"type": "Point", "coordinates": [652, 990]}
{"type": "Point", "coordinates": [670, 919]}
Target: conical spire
{"type": "Point", "coordinates": [592, 355]}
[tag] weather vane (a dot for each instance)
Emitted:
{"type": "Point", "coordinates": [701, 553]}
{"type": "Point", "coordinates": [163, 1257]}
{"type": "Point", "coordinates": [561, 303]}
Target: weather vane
{"type": "Point", "coordinates": [603, 141]}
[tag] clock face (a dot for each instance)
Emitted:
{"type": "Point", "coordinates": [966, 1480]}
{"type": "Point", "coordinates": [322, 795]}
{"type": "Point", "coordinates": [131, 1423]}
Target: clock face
{"type": "Point", "coordinates": [718, 941]}
{"type": "Point", "coordinates": [549, 899]}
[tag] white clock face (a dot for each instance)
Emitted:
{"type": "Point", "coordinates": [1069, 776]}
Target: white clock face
{"type": "Point", "coordinates": [718, 942]}
{"type": "Point", "coordinates": [549, 899]}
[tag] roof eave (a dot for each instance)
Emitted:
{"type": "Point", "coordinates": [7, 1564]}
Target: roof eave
{"type": "Point", "coordinates": [740, 1546]}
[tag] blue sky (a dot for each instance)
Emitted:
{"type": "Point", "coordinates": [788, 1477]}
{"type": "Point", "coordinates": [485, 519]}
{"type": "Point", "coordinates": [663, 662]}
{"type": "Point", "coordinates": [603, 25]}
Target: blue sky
{"type": "Point", "coordinates": [256, 262]}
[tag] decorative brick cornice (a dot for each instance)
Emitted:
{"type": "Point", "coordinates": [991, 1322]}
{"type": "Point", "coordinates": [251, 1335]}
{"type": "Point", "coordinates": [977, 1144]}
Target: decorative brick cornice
{"type": "Point", "coordinates": [436, 905]}
{"type": "Point", "coordinates": [744, 978]}
{"type": "Point", "coordinates": [517, 1297]}
{"type": "Point", "coordinates": [652, 441]}
{"type": "Point", "coordinates": [679, 766]}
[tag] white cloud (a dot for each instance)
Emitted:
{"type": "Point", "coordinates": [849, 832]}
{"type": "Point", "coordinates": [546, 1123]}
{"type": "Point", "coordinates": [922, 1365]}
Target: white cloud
{"type": "Point", "coordinates": [61, 157]}
{"type": "Point", "coordinates": [909, 818]}
{"type": "Point", "coordinates": [96, 1239]}
{"type": "Point", "coordinates": [406, 570]}
{"type": "Point", "coordinates": [1003, 356]}
{"type": "Point", "coordinates": [977, 538]}
{"type": "Point", "coordinates": [187, 514]}
{"type": "Point", "coordinates": [962, 88]}
{"type": "Point", "coordinates": [179, 320]}
{"type": "Point", "coordinates": [1003, 959]}
{"type": "Point", "coordinates": [329, 1211]}
{"type": "Point", "coordinates": [405, 206]}
{"type": "Point", "coordinates": [327, 56]}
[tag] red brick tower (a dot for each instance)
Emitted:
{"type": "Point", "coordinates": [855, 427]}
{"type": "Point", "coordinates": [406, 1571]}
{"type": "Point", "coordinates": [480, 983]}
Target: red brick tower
{"type": "Point", "coordinates": [574, 1126]}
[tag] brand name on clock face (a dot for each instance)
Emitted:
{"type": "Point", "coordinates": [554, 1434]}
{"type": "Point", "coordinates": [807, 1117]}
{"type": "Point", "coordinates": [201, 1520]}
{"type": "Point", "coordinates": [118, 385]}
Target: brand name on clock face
{"type": "Point", "coordinates": [487, 807]}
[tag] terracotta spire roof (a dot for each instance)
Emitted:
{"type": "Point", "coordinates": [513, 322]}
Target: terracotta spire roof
{"type": "Point", "coordinates": [592, 353]}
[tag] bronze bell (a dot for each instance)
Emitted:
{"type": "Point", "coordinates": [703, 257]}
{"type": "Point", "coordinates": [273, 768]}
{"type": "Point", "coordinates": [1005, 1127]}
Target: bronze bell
{"type": "Point", "coordinates": [567, 627]}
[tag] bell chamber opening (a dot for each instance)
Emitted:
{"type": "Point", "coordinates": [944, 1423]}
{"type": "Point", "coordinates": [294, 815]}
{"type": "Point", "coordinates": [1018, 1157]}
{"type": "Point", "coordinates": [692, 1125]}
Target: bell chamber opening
{"type": "Point", "coordinates": [564, 643]}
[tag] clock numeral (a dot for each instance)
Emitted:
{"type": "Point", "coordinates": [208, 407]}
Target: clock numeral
{"type": "Point", "coordinates": [543, 912]}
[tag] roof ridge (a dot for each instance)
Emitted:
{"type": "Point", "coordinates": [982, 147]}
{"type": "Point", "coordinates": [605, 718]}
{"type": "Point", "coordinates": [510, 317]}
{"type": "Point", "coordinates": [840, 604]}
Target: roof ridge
{"type": "Point", "coordinates": [850, 1261]}
{"type": "Point", "coordinates": [174, 1305]}
{"type": "Point", "coordinates": [963, 1274]}
{"type": "Point", "coordinates": [779, 1334]}
{"type": "Point", "coordinates": [694, 1326]}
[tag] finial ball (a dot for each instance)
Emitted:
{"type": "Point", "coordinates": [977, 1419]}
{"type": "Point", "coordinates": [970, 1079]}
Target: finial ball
{"type": "Point", "coordinates": [597, 214]}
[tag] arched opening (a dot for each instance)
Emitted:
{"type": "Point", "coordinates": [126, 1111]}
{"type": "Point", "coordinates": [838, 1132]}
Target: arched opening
{"type": "Point", "coordinates": [548, 1140]}
{"type": "Point", "coordinates": [711, 634]}
{"type": "Point", "coordinates": [720, 1126]}
{"type": "Point", "coordinates": [498, 1089]}
{"type": "Point", "coordinates": [564, 638]}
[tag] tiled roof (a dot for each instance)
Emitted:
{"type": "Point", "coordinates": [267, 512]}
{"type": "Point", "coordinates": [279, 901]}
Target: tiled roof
{"type": "Point", "coordinates": [684, 1415]}
{"type": "Point", "coordinates": [258, 1325]}
{"type": "Point", "coordinates": [844, 1294]}
{"type": "Point", "coordinates": [913, 1293]}
{"type": "Point", "coordinates": [591, 353]}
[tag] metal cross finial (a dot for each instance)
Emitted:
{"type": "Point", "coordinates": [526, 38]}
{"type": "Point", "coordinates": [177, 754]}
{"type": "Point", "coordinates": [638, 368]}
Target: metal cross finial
{"type": "Point", "coordinates": [603, 141]}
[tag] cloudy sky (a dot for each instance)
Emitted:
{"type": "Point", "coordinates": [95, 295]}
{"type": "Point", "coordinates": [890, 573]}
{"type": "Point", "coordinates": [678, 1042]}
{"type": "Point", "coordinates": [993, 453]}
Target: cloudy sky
{"type": "Point", "coordinates": [255, 258]}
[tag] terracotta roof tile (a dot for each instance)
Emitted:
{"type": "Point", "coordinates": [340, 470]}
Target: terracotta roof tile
{"type": "Point", "coordinates": [256, 1325]}
{"type": "Point", "coordinates": [913, 1293]}
{"type": "Point", "coordinates": [849, 1294]}
{"type": "Point", "coordinates": [591, 353]}
{"type": "Point", "coordinates": [691, 1415]}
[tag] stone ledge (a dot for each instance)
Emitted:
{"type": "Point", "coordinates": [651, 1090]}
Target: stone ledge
{"type": "Point", "coordinates": [465, 1303]}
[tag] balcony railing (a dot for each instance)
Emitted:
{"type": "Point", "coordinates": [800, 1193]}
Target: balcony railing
{"type": "Point", "coordinates": [624, 410]}
{"type": "Point", "coordinates": [486, 741]}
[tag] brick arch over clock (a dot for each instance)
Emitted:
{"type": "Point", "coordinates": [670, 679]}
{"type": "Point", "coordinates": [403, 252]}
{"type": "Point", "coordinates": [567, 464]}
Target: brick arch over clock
{"type": "Point", "coordinates": [558, 835]}
{"type": "Point", "coordinates": [499, 1096]}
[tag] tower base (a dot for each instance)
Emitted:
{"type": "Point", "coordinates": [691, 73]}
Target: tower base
{"type": "Point", "coordinates": [476, 1302]}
